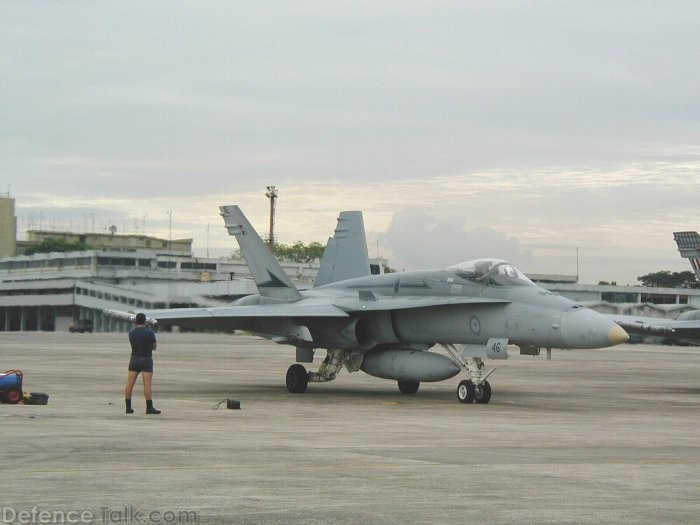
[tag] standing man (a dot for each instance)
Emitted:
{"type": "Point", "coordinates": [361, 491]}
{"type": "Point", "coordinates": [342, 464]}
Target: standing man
{"type": "Point", "coordinates": [143, 342]}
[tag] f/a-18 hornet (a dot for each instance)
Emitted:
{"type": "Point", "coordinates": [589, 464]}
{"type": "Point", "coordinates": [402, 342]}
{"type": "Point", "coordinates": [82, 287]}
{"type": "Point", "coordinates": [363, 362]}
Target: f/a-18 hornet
{"type": "Point", "coordinates": [386, 325]}
{"type": "Point", "coordinates": [686, 328]}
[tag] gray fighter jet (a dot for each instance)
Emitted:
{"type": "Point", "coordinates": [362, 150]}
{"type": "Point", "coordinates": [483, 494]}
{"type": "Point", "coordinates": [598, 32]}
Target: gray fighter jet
{"type": "Point", "coordinates": [684, 330]}
{"type": "Point", "coordinates": [386, 325]}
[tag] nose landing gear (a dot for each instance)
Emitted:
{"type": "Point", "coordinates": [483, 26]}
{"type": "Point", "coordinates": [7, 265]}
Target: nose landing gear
{"type": "Point", "coordinates": [475, 387]}
{"type": "Point", "coordinates": [468, 392]}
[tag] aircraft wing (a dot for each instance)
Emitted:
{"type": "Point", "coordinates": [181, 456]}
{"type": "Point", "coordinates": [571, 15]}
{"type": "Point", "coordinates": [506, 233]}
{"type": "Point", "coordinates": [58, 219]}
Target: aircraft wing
{"type": "Point", "coordinates": [229, 317]}
{"type": "Point", "coordinates": [679, 331]}
{"type": "Point", "coordinates": [239, 317]}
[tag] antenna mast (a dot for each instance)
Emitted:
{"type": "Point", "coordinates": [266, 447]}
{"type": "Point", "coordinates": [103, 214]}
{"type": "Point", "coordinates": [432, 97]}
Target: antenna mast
{"type": "Point", "coordinates": [170, 235]}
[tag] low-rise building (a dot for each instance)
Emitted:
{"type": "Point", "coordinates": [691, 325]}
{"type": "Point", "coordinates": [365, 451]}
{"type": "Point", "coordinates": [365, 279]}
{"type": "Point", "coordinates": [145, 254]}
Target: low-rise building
{"type": "Point", "coordinates": [51, 291]}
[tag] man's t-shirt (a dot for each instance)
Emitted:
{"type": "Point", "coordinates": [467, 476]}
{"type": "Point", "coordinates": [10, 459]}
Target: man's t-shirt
{"type": "Point", "coordinates": [142, 340]}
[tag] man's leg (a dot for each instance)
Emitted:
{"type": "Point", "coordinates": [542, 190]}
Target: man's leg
{"type": "Point", "coordinates": [147, 381]}
{"type": "Point", "coordinates": [130, 382]}
{"type": "Point", "coordinates": [148, 392]}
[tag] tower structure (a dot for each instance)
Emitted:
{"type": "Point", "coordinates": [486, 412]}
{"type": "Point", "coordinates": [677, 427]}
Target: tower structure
{"type": "Point", "coordinates": [8, 227]}
{"type": "Point", "coordinates": [272, 195]}
{"type": "Point", "coordinates": [689, 247]}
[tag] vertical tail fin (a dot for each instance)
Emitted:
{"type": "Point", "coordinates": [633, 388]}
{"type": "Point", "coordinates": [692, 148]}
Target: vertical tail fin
{"type": "Point", "coordinates": [267, 273]}
{"type": "Point", "coordinates": [345, 256]}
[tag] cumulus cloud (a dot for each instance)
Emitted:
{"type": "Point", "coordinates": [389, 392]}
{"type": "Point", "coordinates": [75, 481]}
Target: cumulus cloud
{"type": "Point", "coordinates": [418, 240]}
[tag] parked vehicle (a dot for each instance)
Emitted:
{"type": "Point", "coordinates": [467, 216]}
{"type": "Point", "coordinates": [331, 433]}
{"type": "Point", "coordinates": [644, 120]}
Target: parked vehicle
{"type": "Point", "coordinates": [81, 326]}
{"type": "Point", "coordinates": [11, 387]}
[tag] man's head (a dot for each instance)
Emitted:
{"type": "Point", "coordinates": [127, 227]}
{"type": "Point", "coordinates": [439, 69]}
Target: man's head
{"type": "Point", "coordinates": [140, 318]}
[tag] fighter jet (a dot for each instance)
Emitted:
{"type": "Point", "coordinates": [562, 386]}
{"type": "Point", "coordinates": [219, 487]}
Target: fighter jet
{"type": "Point", "coordinates": [388, 325]}
{"type": "Point", "coordinates": [683, 330]}
{"type": "Point", "coordinates": [686, 328]}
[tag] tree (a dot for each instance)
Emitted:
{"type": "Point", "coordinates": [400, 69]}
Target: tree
{"type": "Point", "coordinates": [666, 279]}
{"type": "Point", "coordinates": [298, 252]}
{"type": "Point", "coordinates": [294, 253]}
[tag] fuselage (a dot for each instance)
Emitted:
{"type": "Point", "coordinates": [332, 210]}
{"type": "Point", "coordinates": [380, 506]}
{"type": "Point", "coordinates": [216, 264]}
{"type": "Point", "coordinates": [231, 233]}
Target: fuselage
{"type": "Point", "coordinates": [505, 305]}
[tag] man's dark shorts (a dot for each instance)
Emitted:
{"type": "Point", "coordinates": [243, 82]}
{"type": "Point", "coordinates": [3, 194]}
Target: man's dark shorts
{"type": "Point", "coordinates": [141, 364]}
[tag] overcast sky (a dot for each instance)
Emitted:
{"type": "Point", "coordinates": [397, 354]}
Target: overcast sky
{"type": "Point", "coordinates": [512, 129]}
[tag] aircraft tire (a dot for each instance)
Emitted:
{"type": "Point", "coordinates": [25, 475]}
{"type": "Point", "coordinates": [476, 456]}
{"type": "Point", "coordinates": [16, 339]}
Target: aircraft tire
{"type": "Point", "coordinates": [465, 391]}
{"type": "Point", "coordinates": [297, 379]}
{"type": "Point", "coordinates": [408, 387]}
{"type": "Point", "coordinates": [483, 394]}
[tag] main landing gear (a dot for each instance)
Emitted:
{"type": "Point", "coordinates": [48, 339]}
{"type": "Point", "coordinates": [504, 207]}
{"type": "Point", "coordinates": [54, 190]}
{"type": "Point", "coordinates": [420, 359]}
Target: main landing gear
{"type": "Point", "coordinates": [298, 378]}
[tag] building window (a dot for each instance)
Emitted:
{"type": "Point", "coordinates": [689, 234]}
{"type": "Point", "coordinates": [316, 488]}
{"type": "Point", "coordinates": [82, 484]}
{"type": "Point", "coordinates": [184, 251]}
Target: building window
{"type": "Point", "coordinates": [659, 298]}
{"type": "Point", "coordinates": [619, 297]}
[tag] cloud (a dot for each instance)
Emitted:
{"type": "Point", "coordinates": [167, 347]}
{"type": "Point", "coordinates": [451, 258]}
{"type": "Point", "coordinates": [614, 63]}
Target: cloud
{"type": "Point", "coordinates": [556, 125]}
{"type": "Point", "coordinates": [418, 240]}
{"type": "Point", "coordinates": [537, 219]}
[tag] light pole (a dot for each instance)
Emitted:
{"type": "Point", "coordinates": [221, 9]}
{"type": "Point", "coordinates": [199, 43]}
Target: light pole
{"type": "Point", "coordinates": [272, 195]}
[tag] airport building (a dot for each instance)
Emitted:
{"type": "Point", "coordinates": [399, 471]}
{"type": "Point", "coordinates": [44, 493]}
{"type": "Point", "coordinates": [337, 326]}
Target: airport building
{"type": "Point", "coordinates": [630, 300]}
{"type": "Point", "coordinates": [52, 291]}
{"type": "Point", "coordinates": [107, 241]}
{"type": "Point", "coordinates": [667, 303]}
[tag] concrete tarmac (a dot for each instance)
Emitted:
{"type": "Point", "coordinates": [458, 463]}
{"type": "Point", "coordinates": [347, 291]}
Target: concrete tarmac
{"type": "Point", "coordinates": [592, 436]}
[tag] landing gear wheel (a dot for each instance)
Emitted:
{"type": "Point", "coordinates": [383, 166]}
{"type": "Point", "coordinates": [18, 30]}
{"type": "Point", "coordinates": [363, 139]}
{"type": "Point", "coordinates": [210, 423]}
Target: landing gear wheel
{"type": "Point", "coordinates": [12, 396]}
{"type": "Point", "coordinates": [465, 391]}
{"type": "Point", "coordinates": [409, 387]}
{"type": "Point", "coordinates": [297, 379]}
{"type": "Point", "coordinates": [482, 393]}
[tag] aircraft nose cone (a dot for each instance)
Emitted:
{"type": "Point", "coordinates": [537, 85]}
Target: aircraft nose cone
{"type": "Point", "coordinates": [585, 328]}
{"type": "Point", "coordinates": [617, 335]}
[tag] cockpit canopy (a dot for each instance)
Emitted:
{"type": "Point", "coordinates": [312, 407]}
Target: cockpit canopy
{"type": "Point", "coordinates": [491, 272]}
